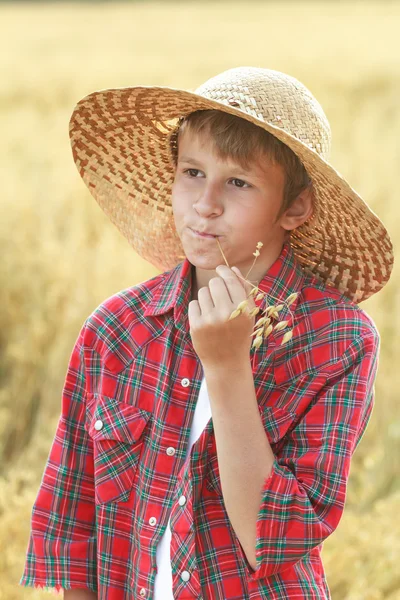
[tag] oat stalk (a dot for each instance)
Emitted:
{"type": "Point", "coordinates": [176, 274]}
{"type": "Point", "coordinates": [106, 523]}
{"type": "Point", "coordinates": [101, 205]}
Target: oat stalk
{"type": "Point", "coordinates": [264, 326]}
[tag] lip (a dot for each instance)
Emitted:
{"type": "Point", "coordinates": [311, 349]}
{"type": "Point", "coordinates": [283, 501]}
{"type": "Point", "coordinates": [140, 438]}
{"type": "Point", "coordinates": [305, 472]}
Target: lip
{"type": "Point", "coordinates": [204, 235]}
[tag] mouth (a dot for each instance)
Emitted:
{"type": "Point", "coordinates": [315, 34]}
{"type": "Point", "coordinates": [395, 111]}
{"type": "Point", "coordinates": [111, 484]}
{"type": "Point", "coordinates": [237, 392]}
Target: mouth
{"type": "Point", "coordinates": [203, 235]}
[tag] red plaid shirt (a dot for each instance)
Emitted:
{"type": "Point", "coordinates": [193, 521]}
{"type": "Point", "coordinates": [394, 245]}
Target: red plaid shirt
{"type": "Point", "coordinates": [118, 463]}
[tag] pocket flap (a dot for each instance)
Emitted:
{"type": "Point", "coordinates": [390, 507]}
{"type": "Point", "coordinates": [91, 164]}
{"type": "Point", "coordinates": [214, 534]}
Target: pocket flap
{"type": "Point", "coordinates": [110, 419]}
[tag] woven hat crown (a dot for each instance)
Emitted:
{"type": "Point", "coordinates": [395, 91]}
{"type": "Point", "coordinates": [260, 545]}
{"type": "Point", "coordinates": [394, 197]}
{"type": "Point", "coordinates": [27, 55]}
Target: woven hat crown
{"type": "Point", "coordinates": [275, 98]}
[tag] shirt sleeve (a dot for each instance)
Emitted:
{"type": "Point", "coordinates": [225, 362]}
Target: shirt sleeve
{"type": "Point", "coordinates": [61, 551]}
{"type": "Point", "coordinates": [303, 498]}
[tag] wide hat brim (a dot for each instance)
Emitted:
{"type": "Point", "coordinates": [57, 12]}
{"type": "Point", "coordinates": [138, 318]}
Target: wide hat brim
{"type": "Point", "coordinates": [120, 141]}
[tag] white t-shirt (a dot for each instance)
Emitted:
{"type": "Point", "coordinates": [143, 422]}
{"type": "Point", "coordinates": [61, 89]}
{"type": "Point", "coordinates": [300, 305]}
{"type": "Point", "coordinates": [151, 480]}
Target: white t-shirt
{"type": "Point", "coordinates": [163, 581]}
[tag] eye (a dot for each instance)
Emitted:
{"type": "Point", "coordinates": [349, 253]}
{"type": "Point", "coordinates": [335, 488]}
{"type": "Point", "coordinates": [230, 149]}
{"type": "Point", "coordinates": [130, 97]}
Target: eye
{"type": "Point", "coordinates": [240, 183]}
{"type": "Point", "coordinates": [192, 173]}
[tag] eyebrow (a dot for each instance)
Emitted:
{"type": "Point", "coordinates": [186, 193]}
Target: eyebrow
{"type": "Point", "coordinates": [189, 160]}
{"type": "Point", "coordinates": [237, 168]}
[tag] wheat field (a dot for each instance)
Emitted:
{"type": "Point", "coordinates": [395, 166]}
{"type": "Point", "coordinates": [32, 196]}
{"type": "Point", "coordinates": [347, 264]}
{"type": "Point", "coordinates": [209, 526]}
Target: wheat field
{"type": "Point", "coordinates": [61, 257]}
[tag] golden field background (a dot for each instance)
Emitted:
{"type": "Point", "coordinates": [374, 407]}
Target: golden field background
{"type": "Point", "coordinates": [61, 257]}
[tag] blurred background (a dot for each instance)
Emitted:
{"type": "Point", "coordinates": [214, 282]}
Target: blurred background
{"type": "Point", "coordinates": [61, 257]}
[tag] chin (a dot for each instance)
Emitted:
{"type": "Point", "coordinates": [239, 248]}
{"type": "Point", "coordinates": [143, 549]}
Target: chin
{"type": "Point", "coordinates": [206, 256]}
{"type": "Point", "coordinates": [207, 263]}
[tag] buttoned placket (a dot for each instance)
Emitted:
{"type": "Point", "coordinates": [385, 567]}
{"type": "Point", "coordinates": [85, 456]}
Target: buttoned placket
{"type": "Point", "coordinates": [185, 575]}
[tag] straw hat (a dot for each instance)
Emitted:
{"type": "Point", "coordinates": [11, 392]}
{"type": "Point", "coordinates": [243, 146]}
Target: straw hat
{"type": "Point", "coordinates": [121, 139]}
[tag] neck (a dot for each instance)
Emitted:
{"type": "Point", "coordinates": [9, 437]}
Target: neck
{"type": "Point", "coordinates": [194, 286]}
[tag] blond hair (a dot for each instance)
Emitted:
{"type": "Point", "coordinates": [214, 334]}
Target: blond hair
{"type": "Point", "coordinates": [244, 142]}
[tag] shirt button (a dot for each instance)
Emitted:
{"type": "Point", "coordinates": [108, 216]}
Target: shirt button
{"type": "Point", "coordinates": [182, 500]}
{"type": "Point", "coordinates": [185, 575]}
{"type": "Point", "coordinates": [185, 382]}
{"type": "Point", "coordinates": [142, 592]}
{"type": "Point", "coordinates": [152, 520]}
{"type": "Point", "coordinates": [170, 451]}
{"type": "Point", "coordinates": [98, 425]}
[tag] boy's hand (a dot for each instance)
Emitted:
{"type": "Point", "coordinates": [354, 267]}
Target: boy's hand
{"type": "Point", "coordinates": [217, 340]}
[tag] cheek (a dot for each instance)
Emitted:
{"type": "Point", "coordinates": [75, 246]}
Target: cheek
{"type": "Point", "coordinates": [250, 213]}
{"type": "Point", "coordinates": [253, 221]}
{"type": "Point", "coordinates": [264, 210]}
{"type": "Point", "coordinates": [178, 192]}
{"type": "Point", "coordinates": [179, 207]}
{"type": "Point", "coordinates": [175, 197]}
{"type": "Point", "coordinates": [181, 196]}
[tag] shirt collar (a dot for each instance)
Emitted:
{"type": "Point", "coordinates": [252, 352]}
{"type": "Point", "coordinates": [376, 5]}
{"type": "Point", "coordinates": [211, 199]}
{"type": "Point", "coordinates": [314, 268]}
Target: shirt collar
{"type": "Point", "coordinates": [284, 277]}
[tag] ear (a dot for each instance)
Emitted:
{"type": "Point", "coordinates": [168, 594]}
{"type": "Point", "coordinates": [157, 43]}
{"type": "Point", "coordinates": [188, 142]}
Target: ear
{"type": "Point", "coordinates": [300, 210]}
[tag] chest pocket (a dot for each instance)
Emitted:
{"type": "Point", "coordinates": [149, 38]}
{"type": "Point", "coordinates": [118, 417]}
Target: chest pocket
{"type": "Point", "coordinates": [116, 429]}
{"type": "Point", "coordinates": [277, 423]}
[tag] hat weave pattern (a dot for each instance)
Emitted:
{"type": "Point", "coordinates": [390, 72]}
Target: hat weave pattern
{"type": "Point", "coordinates": [120, 141]}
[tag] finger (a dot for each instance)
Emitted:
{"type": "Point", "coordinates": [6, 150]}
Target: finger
{"type": "Point", "coordinates": [247, 287]}
{"type": "Point", "coordinates": [238, 272]}
{"type": "Point", "coordinates": [194, 313]}
{"type": "Point", "coordinates": [233, 284]}
{"type": "Point", "coordinates": [205, 300]}
{"type": "Point", "coordinates": [220, 292]}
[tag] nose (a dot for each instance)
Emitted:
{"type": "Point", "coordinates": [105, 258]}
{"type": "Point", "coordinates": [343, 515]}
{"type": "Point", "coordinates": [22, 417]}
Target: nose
{"type": "Point", "coordinates": [209, 200]}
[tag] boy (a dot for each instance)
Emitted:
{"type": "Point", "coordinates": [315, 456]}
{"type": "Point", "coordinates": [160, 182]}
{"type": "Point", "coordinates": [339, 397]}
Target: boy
{"type": "Point", "coordinates": [189, 463]}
